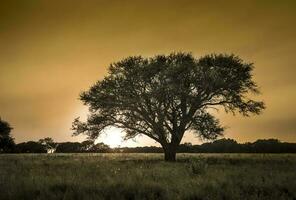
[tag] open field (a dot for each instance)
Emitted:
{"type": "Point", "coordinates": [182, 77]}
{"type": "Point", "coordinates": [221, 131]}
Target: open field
{"type": "Point", "coordinates": [146, 176]}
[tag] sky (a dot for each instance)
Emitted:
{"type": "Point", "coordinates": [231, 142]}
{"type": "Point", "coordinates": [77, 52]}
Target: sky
{"type": "Point", "coordinates": [51, 51]}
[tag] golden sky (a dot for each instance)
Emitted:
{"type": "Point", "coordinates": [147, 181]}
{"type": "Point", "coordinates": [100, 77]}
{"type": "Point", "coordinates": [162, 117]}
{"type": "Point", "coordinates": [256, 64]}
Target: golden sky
{"type": "Point", "coordinates": [51, 50]}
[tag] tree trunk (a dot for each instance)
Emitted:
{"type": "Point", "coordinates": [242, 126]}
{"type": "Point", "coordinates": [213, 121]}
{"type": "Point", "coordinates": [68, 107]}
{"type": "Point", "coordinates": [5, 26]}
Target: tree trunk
{"type": "Point", "coordinates": [170, 153]}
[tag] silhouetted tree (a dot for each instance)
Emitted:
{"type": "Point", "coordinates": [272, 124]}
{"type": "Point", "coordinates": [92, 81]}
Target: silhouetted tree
{"type": "Point", "coordinates": [49, 144]}
{"type": "Point", "coordinates": [185, 148]}
{"type": "Point", "coordinates": [164, 96]}
{"type": "Point", "coordinates": [100, 148]}
{"type": "Point", "coordinates": [6, 141]}
{"type": "Point", "coordinates": [266, 146]}
{"type": "Point", "coordinates": [221, 146]}
{"type": "Point", "coordinates": [30, 147]}
{"type": "Point", "coordinates": [87, 145]}
{"type": "Point", "coordinates": [69, 147]}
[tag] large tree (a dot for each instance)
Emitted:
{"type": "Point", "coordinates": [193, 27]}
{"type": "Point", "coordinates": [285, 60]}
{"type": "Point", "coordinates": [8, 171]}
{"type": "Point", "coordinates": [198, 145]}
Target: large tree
{"type": "Point", "coordinates": [6, 141]}
{"type": "Point", "coordinates": [163, 97]}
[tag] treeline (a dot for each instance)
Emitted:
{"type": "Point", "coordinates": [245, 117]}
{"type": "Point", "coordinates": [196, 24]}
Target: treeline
{"type": "Point", "coordinates": [223, 146]}
{"type": "Point", "coordinates": [47, 145]}
{"type": "Point", "coordinates": [219, 146]}
{"type": "Point", "coordinates": [231, 146]}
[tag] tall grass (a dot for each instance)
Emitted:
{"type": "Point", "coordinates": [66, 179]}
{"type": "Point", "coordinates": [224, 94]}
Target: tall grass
{"type": "Point", "coordinates": [147, 176]}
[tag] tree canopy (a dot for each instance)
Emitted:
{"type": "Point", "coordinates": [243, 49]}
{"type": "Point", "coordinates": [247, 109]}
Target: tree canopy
{"type": "Point", "coordinates": [6, 141]}
{"type": "Point", "coordinates": [165, 96]}
{"type": "Point", "coordinates": [30, 147]}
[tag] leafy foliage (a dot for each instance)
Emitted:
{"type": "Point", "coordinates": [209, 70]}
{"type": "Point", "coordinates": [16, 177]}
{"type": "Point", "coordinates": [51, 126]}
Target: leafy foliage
{"type": "Point", "coordinates": [69, 147]}
{"type": "Point", "coordinates": [87, 146]}
{"type": "Point", "coordinates": [6, 141]}
{"type": "Point", "coordinates": [30, 147]}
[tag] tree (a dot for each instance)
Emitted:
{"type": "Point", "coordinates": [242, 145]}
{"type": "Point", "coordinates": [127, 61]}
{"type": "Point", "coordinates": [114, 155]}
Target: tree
{"type": "Point", "coordinates": [185, 148]}
{"type": "Point", "coordinates": [69, 147]}
{"type": "Point", "coordinates": [100, 148]}
{"type": "Point", "coordinates": [30, 147]}
{"type": "Point", "coordinates": [87, 145]}
{"type": "Point", "coordinates": [49, 144]}
{"type": "Point", "coordinates": [6, 141]}
{"type": "Point", "coordinates": [163, 97]}
{"type": "Point", "coordinates": [222, 146]}
{"type": "Point", "coordinates": [267, 146]}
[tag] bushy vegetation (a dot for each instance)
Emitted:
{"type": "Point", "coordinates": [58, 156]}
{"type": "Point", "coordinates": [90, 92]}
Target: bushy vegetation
{"type": "Point", "coordinates": [217, 146]}
{"type": "Point", "coordinates": [231, 146]}
{"type": "Point", "coordinates": [6, 140]}
{"type": "Point", "coordinates": [223, 146]}
{"type": "Point", "coordinates": [147, 176]}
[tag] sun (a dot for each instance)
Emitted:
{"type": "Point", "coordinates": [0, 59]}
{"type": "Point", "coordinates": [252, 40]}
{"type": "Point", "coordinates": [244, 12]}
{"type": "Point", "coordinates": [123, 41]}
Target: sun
{"type": "Point", "coordinates": [113, 137]}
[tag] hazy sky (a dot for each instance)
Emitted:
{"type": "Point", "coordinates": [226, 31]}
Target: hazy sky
{"type": "Point", "coordinates": [51, 50]}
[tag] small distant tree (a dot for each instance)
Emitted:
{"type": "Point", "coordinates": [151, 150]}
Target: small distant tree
{"type": "Point", "coordinates": [100, 148]}
{"type": "Point", "coordinates": [49, 144]}
{"type": "Point", "coordinates": [163, 97]}
{"type": "Point", "coordinates": [69, 147]}
{"type": "Point", "coordinates": [185, 148]}
{"type": "Point", "coordinates": [87, 145]}
{"type": "Point", "coordinates": [222, 145]}
{"type": "Point", "coordinates": [266, 146]}
{"type": "Point", "coordinates": [6, 141]}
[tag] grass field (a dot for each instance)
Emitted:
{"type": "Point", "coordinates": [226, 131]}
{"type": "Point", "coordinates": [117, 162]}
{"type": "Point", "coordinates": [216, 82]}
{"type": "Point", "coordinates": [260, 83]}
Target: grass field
{"type": "Point", "coordinates": [146, 176]}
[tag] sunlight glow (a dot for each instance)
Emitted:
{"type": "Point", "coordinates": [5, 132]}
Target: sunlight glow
{"type": "Point", "coordinates": [113, 137]}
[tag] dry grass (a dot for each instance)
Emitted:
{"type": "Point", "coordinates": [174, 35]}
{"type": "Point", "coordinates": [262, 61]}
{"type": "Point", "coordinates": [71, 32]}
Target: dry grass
{"type": "Point", "coordinates": [146, 176]}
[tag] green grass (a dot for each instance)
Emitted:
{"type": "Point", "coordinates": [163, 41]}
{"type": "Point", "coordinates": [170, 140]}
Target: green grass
{"type": "Point", "coordinates": [146, 176]}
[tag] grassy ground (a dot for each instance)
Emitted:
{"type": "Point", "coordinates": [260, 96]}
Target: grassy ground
{"type": "Point", "coordinates": [146, 176]}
